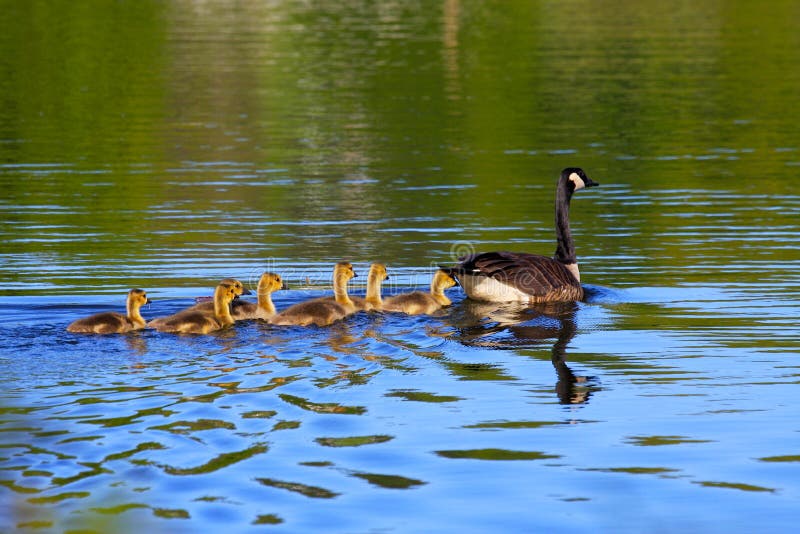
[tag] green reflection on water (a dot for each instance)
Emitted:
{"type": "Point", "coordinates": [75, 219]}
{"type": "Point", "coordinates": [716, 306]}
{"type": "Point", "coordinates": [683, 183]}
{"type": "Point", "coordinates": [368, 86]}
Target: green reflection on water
{"type": "Point", "coordinates": [390, 481]}
{"type": "Point", "coordinates": [220, 461]}
{"type": "Point", "coordinates": [353, 441]}
{"type": "Point", "coordinates": [135, 152]}
{"type": "Point", "coordinates": [303, 489]}
{"type": "Point", "coordinates": [496, 454]}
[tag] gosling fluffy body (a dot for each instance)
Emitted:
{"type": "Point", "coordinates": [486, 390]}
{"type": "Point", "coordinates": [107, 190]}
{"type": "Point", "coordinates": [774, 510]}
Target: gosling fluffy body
{"type": "Point", "coordinates": [419, 302]}
{"type": "Point", "coordinates": [114, 322]}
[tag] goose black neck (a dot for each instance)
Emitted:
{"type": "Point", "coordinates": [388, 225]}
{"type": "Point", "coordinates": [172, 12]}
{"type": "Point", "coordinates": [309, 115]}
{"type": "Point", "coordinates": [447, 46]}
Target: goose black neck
{"type": "Point", "coordinates": [565, 249]}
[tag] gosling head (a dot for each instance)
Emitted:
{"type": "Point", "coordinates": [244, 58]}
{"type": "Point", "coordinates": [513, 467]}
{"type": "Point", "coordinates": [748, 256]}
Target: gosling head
{"type": "Point", "coordinates": [377, 272]}
{"type": "Point", "coordinates": [344, 269]}
{"type": "Point", "coordinates": [226, 292]}
{"type": "Point", "coordinates": [237, 285]}
{"type": "Point", "coordinates": [575, 179]}
{"type": "Point", "coordinates": [443, 279]}
{"type": "Point", "coordinates": [270, 282]}
{"type": "Point", "coordinates": [138, 297]}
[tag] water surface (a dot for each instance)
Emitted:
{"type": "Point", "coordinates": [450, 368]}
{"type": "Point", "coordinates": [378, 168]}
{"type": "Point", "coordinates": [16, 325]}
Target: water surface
{"type": "Point", "coordinates": [169, 145]}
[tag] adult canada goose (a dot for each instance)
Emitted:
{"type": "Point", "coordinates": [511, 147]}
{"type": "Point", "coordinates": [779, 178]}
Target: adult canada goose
{"type": "Point", "coordinates": [114, 322]}
{"type": "Point", "coordinates": [322, 311]}
{"type": "Point", "coordinates": [418, 302]}
{"type": "Point", "coordinates": [199, 321]}
{"type": "Point", "coordinates": [372, 300]}
{"type": "Point", "coordinates": [522, 277]}
{"type": "Point", "coordinates": [264, 309]}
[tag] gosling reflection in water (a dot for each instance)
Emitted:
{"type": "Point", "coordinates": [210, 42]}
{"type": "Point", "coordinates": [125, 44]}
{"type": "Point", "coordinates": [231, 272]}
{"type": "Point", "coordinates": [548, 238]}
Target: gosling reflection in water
{"type": "Point", "coordinates": [513, 326]}
{"type": "Point", "coordinates": [136, 343]}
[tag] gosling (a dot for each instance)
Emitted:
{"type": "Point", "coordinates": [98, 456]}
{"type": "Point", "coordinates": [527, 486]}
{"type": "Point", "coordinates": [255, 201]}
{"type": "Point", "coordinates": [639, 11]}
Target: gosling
{"type": "Point", "coordinates": [114, 322]}
{"type": "Point", "coordinates": [206, 307]}
{"type": "Point", "coordinates": [418, 302]}
{"type": "Point", "coordinates": [322, 311]}
{"type": "Point", "coordinates": [202, 322]}
{"type": "Point", "coordinates": [264, 309]}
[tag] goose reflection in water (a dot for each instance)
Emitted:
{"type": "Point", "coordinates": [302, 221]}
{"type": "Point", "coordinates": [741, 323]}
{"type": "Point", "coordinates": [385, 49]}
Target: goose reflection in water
{"type": "Point", "coordinates": [514, 326]}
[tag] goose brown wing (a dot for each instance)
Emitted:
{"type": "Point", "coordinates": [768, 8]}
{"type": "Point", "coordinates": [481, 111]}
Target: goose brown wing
{"type": "Point", "coordinates": [531, 273]}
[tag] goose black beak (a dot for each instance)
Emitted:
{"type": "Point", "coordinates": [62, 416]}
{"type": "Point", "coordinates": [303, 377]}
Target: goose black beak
{"type": "Point", "coordinates": [591, 183]}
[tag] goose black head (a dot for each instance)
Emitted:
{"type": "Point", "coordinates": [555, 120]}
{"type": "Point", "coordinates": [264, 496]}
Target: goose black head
{"type": "Point", "coordinates": [576, 179]}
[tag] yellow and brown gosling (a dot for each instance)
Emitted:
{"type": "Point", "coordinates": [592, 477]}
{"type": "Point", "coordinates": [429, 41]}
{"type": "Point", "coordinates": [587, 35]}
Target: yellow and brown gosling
{"type": "Point", "coordinates": [114, 322]}
{"type": "Point", "coordinates": [419, 302]}
{"type": "Point", "coordinates": [372, 300]}
{"type": "Point", "coordinates": [199, 321]}
{"type": "Point", "coordinates": [206, 306]}
{"type": "Point", "coordinates": [264, 309]}
{"type": "Point", "coordinates": [322, 311]}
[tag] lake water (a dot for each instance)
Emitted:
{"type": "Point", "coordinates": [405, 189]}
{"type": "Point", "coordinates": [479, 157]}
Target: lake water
{"type": "Point", "coordinates": [167, 145]}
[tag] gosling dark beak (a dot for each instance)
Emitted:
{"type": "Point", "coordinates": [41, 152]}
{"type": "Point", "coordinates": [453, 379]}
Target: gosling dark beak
{"type": "Point", "coordinates": [591, 183]}
{"type": "Point", "coordinates": [387, 277]}
{"type": "Point", "coordinates": [148, 301]}
{"type": "Point", "coordinates": [355, 275]}
{"type": "Point", "coordinates": [245, 291]}
{"type": "Point", "coordinates": [284, 285]}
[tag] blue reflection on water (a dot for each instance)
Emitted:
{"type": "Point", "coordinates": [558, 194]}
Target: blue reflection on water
{"type": "Point", "coordinates": [386, 412]}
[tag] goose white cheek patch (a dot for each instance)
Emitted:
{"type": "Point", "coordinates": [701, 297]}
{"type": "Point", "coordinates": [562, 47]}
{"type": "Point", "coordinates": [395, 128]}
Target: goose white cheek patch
{"type": "Point", "coordinates": [577, 180]}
